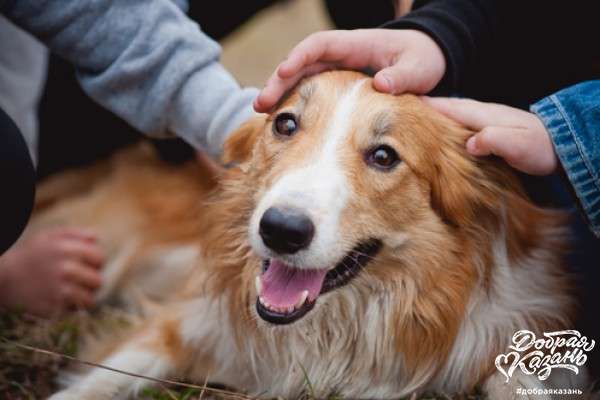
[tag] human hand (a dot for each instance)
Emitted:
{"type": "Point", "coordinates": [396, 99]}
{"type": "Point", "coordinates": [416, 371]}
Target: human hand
{"type": "Point", "coordinates": [405, 61]}
{"type": "Point", "coordinates": [518, 136]}
{"type": "Point", "coordinates": [51, 271]}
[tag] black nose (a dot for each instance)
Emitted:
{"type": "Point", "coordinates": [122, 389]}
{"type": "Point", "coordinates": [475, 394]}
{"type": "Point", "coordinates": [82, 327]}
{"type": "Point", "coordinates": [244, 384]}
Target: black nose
{"type": "Point", "coordinates": [285, 231]}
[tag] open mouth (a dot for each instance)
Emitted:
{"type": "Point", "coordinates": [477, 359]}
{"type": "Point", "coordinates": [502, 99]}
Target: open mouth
{"type": "Point", "coordinates": [286, 293]}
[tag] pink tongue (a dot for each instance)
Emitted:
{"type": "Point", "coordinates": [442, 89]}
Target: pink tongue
{"type": "Point", "coordinates": [282, 286]}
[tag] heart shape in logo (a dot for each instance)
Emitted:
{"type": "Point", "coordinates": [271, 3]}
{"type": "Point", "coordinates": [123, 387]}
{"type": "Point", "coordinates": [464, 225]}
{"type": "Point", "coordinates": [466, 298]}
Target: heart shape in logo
{"type": "Point", "coordinates": [503, 360]}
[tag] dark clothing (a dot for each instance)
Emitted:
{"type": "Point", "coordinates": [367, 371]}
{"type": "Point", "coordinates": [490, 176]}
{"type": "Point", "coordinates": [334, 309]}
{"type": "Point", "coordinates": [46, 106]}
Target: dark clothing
{"type": "Point", "coordinates": [17, 177]}
{"type": "Point", "coordinates": [464, 30]}
{"type": "Point", "coordinates": [356, 14]}
{"type": "Point", "coordinates": [511, 52]}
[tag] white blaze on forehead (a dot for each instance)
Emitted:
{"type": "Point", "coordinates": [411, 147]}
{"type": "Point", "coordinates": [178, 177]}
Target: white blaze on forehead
{"type": "Point", "coordinates": [319, 188]}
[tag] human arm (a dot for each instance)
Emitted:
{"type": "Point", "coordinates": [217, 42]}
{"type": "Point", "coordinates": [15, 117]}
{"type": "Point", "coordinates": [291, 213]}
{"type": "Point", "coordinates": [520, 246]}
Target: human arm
{"type": "Point", "coordinates": [572, 119]}
{"type": "Point", "coordinates": [562, 129]}
{"type": "Point", "coordinates": [437, 42]}
{"type": "Point", "coordinates": [145, 61]}
{"type": "Point", "coordinates": [517, 136]}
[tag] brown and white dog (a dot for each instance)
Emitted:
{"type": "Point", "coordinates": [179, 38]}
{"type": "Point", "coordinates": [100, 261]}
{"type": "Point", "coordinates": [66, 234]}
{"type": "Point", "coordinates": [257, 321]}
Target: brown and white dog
{"type": "Point", "coordinates": [355, 240]}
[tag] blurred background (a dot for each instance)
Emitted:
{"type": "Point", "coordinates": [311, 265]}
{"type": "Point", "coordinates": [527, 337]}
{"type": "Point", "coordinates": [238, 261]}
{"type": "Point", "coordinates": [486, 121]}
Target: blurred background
{"type": "Point", "coordinates": [252, 51]}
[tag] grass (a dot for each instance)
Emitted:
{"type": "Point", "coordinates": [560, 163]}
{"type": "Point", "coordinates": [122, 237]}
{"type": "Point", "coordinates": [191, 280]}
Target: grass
{"type": "Point", "coordinates": [26, 374]}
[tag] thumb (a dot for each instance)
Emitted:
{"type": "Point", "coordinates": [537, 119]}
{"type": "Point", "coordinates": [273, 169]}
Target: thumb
{"type": "Point", "coordinates": [394, 79]}
{"type": "Point", "coordinates": [519, 147]}
{"type": "Point", "coordinates": [508, 143]}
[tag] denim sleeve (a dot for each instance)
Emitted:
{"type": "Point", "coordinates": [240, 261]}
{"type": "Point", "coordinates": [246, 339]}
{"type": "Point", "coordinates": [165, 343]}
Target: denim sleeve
{"type": "Point", "coordinates": [145, 61]}
{"type": "Point", "coordinates": [572, 118]}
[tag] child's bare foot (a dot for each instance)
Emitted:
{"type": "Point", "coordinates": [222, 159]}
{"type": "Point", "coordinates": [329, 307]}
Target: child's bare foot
{"type": "Point", "coordinates": [51, 271]}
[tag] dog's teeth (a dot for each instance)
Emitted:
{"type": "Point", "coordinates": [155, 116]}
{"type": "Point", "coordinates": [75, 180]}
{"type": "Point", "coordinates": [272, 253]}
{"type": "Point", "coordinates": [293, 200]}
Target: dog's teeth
{"type": "Point", "coordinates": [302, 299]}
{"type": "Point", "coordinates": [258, 285]}
{"type": "Point", "coordinates": [290, 309]}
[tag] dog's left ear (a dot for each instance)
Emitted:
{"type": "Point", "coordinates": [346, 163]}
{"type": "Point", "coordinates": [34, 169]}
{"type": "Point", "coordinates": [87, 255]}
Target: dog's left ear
{"type": "Point", "coordinates": [461, 189]}
{"type": "Point", "coordinates": [239, 146]}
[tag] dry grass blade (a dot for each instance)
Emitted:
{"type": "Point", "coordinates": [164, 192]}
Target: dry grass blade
{"type": "Point", "coordinates": [161, 382]}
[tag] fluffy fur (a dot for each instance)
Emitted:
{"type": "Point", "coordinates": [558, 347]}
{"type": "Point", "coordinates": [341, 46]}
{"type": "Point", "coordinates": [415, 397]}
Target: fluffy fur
{"type": "Point", "coordinates": [466, 259]}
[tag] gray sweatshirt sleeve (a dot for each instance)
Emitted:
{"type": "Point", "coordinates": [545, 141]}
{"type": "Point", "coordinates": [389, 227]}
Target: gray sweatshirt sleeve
{"type": "Point", "coordinates": [145, 61]}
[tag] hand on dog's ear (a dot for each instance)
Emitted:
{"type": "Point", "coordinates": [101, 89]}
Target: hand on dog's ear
{"type": "Point", "coordinates": [474, 194]}
{"type": "Point", "coordinates": [239, 146]}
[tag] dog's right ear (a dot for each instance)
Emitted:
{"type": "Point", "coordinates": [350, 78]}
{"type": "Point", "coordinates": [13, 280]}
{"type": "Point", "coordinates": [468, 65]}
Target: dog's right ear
{"type": "Point", "coordinates": [239, 146]}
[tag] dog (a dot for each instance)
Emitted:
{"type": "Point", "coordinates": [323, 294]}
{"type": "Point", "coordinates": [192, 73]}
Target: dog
{"type": "Point", "coordinates": [352, 243]}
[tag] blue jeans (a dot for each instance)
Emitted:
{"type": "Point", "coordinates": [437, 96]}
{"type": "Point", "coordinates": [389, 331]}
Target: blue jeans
{"type": "Point", "coordinates": [572, 118]}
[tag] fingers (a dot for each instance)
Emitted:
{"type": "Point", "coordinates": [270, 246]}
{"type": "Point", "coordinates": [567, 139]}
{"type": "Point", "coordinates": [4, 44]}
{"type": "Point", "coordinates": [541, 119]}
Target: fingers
{"type": "Point", "coordinates": [400, 53]}
{"type": "Point", "coordinates": [276, 86]}
{"type": "Point", "coordinates": [80, 285]}
{"type": "Point", "coordinates": [85, 251]}
{"type": "Point", "coordinates": [328, 46]}
{"type": "Point", "coordinates": [477, 115]}
{"type": "Point", "coordinates": [77, 297]}
{"type": "Point", "coordinates": [397, 79]}
{"type": "Point", "coordinates": [384, 81]}
{"type": "Point", "coordinates": [317, 53]}
{"type": "Point", "coordinates": [525, 149]}
{"type": "Point", "coordinates": [82, 275]}
{"type": "Point", "coordinates": [507, 143]}
{"type": "Point", "coordinates": [416, 67]}
{"type": "Point", "coordinates": [515, 135]}
{"type": "Point", "coordinates": [76, 233]}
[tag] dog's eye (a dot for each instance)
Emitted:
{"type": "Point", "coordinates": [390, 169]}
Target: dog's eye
{"type": "Point", "coordinates": [383, 157]}
{"type": "Point", "coordinates": [285, 124]}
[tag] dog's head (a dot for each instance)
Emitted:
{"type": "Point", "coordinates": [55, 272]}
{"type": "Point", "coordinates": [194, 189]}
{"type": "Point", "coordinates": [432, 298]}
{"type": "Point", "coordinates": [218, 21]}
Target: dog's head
{"type": "Point", "coordinates": [356, 191]}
